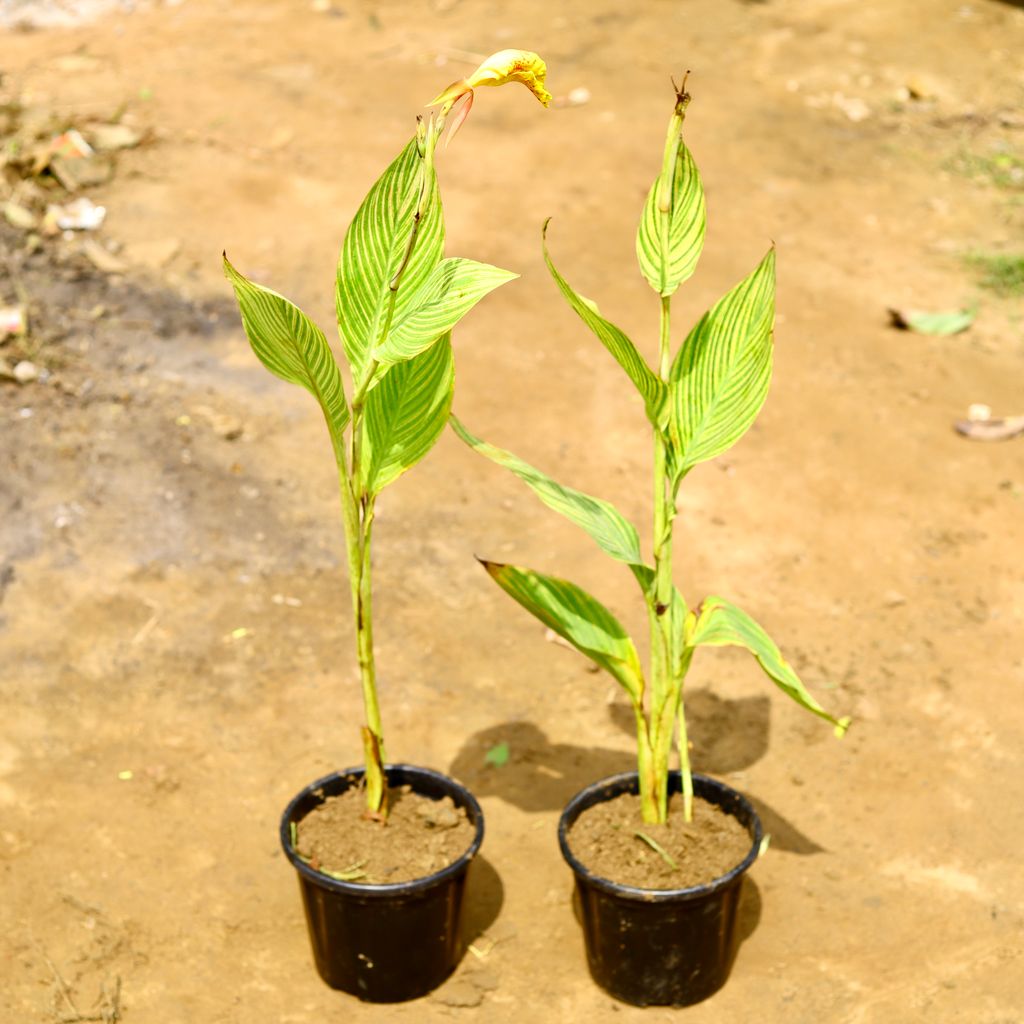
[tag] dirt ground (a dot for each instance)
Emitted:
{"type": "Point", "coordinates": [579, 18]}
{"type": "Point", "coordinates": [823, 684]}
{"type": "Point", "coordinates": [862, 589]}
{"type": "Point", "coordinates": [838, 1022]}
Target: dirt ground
{"type": "Point", "coordinates": [175, 637]}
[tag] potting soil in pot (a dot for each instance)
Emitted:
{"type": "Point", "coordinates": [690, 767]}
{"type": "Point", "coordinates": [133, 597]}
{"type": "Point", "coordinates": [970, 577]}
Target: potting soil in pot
{"type": "Point", "coordinates": [608, 839]}
{"type": "Point", "coordinates": [419, 837]}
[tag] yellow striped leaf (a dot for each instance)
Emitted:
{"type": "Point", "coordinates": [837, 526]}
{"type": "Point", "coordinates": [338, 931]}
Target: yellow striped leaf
{"type": "Point", "coordinates": [577, 617]}
{"type": "Point", "coordinates": [609, 528]}
{"type": "Point", "coordinates": [651, 387]}
{"type": "Point", "coordinates": [374, 249]}
{"type": "Point", "coordinates": [720, 376]}
{"type": "Point", "coordinates": [670, 237]}
{"type": "Point", "coordinates": [292, 347]}
{"type": "Point", "coordinates": [453, 288]}
{"type": "Point", "coordinates": [406, 413]}
{"type": "Point", "coordinates": [718, 623]}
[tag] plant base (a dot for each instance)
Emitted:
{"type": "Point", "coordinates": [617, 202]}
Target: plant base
{"type": "Point", "coordinates": [391, 942]}
{"type": "Point", "coordinates": [660, 947]}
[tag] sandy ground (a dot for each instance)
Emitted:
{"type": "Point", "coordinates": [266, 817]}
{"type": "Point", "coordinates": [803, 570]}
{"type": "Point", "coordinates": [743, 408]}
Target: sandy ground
{"type": "Point", "coordinates": [882, 550]}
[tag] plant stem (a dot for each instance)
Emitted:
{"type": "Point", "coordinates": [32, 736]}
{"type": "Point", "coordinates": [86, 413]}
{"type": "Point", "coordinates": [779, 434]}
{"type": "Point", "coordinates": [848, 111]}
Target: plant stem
{"type": "Point", "coordinates": [659, 602]}
{"type": "Point", "coordinates": [645, 768]}
{"type": "Point", "coordinates": [684, 760]}
{"type": "Point", "coordinates": [358, 509]}
{"type": "Point", "coordinates": [667, 669]}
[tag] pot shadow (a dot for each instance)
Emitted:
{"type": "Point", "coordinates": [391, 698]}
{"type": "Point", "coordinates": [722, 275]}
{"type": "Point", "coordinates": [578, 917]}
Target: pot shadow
{"type": "Point", "coordinates": [539, 775]}
{"type": "Point", "coordinates": [784, 835]}
{"type": "Point", "coordinates": [748, 915]}
{"type": "Point", "coordinates": [482, 901]}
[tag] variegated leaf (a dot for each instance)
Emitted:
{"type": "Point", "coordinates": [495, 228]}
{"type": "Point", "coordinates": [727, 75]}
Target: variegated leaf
{"type": "Point", "coordinates": [577, 617]}
{"type": "Point", "coordinates": [292, 347]}
{"type": "Point", "coordinates": [652, 389]}
{"type": "Point", "coordinates": [720, 376]}
{"type": "Point", "coordinates": [374, 248]}
{"type": "Point", "coordinates": [406, 413]}
{"type": "Point", "coordinates": [608, 527]}
{"type": "Point", "coordinates": [717, 623]}
{"type": "Point", "coordinates": [670, 237]}
{"type": "Point", "coordinates": [453, 288]}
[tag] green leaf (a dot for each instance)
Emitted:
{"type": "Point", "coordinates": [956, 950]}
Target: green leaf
{"type": "Point", "coordinates": [721, 624]}
{"type": "Point", "coordinates": [497, 755]}
{"type": "Point", "coordinates": [668, 260]}
{"type": "Point", "coordinates": [940, 324]}
{"type": "Point", "coordinates": [720, 376]}
{"type": "Point", "coordinates": [453, 288]}
{"type": "Point", "coordinates": [581, 619]}
{"type": "Point", "coordinates": [406, 413]}
{"type": "Point", "coordinates": [374, 248]}
{"type": "Point", "coordinates": [651, 387]}
{"type": "Point", "coordinates": [291, 347]}
{"type": "Point", "coordinates": [609, 528]}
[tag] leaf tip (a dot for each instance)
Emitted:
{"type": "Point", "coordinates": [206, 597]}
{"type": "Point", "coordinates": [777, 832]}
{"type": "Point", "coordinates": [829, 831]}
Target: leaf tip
{"type": "Point", "coordinates": [494, 569]}
{"type": "Point", "coordinates": [841, 726]}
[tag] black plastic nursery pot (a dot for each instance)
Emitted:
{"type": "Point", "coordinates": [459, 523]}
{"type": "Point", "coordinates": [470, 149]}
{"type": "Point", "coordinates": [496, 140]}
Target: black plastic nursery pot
{"type": "Point", "coordinates": [660, 947]}
{"type": "Point", "coordinates": [390, 942]}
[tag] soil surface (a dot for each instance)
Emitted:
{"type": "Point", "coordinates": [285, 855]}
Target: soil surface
{"type": "Point", "coordinates": [611, 840]}
{"type": "Point", "coordinates": [421, 836]}
{"type": "Point", "coordinates": [175, 633]}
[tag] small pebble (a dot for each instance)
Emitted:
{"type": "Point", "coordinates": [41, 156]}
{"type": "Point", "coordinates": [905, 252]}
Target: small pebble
{"type": "Point", "coordinates": [26, 372]}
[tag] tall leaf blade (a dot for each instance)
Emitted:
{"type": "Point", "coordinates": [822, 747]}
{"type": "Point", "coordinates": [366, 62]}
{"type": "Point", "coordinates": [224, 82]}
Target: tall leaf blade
{"type": "Point", "coordinates": [291, 347]}
{"type": "Point", "coordinates": [406, 413]}
{"type": "Point", "coordinates": [452, 289]}
{"type": "Point", "coordinates": [577, 617]}
{"type": "Point", "coordinates": [719, 379]}
{"type": "Point", "coordinates": [374, 248]}
{"type": "Point", "coordinates": [721, 624]}
{"type": "Point", "coordinates": [606, 525]}
{"type": "Point", "coordinates": [670, 237]}
{"type": "Point", "coordinates": [652, 389]}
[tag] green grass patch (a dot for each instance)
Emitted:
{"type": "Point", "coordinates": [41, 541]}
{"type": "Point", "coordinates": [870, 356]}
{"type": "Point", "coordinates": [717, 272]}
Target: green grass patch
{"type": "Point", "coordinates": [1004, 169]}
{"type": "Point", "coordinates": [1000, 272]}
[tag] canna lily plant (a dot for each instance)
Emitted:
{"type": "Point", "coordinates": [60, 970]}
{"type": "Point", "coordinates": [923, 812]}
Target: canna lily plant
{"type": "Point", "coordinates": [397, 300]}
{"type": "Point", "coordinates": [699, 402]}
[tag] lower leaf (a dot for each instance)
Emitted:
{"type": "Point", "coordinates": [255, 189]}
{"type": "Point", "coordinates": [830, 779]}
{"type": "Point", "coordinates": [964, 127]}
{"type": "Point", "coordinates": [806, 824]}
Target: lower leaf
{"type": "Point", "coordinates": [577, 617]}
{"type": "Point", "coordinates": [721, 624]}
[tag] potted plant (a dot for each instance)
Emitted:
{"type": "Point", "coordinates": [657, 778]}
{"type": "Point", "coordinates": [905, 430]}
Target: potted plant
{"type": "Point", "coordinates": [382, 850]}
{"type": "Point", "coordinates": [658, 893]}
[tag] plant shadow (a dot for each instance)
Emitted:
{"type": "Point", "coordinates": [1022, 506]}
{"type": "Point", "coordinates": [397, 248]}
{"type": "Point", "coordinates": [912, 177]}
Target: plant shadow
{"type": "Point", "coordinates": [725, 735]}
{"type": "Point", "coordinates": [538, 775]}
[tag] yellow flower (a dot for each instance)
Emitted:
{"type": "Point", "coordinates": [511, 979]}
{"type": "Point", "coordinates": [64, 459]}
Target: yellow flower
{"type": "Point", "coordinates": [501, 67]}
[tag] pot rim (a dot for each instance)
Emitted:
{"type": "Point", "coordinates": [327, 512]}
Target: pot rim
{"type": "Point", "coordinates": [384, 889]}
{"type": "Point", "coordinates": [622, 782]}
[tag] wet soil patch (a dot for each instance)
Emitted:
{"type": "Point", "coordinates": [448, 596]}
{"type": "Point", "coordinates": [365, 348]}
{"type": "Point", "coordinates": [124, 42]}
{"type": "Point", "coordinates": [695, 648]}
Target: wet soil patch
{"type": "Point", "coordinates": [612, 841]}
{"type": "Point", "coordinates": [420, 837]}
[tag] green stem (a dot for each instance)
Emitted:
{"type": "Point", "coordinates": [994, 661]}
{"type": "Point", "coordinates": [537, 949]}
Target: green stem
{"type": "Point", "coordinates": [645, 768]}
{"type": "Point", "coordinates": [684, 761]}
{"type": "Point", "coordinates": [357, 516]}
{"type": "Point", "coordinates": [659, 602]}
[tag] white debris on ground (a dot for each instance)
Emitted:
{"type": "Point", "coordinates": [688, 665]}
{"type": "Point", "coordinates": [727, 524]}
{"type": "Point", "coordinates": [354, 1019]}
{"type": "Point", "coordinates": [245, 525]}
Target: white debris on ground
{"type": "Point", "coordinates": [64, 13]}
